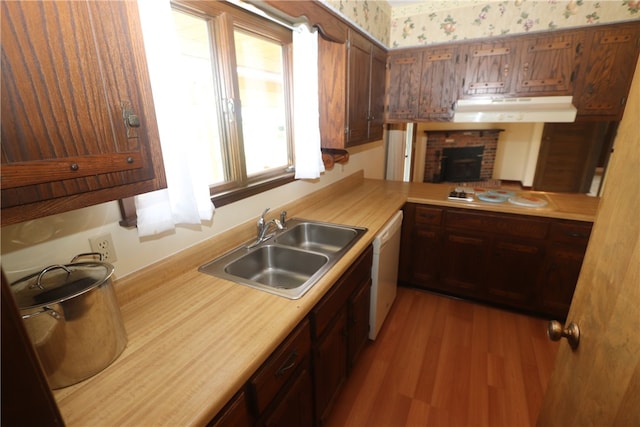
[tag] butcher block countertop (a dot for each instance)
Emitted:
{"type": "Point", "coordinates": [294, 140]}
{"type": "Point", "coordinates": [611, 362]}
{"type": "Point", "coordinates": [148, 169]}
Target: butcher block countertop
{"type": "Point", "coordinates": [194, 339]}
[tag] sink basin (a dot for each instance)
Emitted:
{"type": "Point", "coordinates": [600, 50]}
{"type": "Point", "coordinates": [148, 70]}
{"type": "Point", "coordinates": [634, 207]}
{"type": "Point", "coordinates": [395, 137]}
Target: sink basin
{"type": "Point", "coordinates": [277, 266]}
{"type": "Point", "coordinates": [319, 237]}
{"type": "Point", "coordinates": [290, 263]}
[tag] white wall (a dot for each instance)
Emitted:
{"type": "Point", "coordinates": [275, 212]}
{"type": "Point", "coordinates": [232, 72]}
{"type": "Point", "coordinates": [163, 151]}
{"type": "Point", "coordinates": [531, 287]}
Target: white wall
{"type": "Point", "coordinates": [33, 245]}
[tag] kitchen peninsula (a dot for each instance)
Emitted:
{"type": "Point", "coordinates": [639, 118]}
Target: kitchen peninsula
{"type": "Point", "coordinates": [195, 340]}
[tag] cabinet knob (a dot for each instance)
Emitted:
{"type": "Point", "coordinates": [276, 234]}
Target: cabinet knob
{"type": "Point", "coordinates": [131, 120]}
{"type": "Point", "coordinates": [74, 166]}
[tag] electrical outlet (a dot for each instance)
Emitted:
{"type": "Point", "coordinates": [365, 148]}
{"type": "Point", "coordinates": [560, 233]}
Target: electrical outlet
{"type": "Point", "coordinates": [104, 245]}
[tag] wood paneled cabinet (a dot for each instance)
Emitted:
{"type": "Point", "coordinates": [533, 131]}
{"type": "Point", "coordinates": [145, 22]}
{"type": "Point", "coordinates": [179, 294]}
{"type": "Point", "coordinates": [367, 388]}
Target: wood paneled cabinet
{"type": "Point", "coordinates": [603, 85]}
{"type": "Point", "coordinates": [340, 329]}
{"type": "Point", "coordinates": [549, 63]}
{"type": "Point", "coordinates": [280, 392]}
{"type": "Point", "coordinates": [423, 84]}
{"type": "Point", "coordinates": [403, 85]}
{"type": "Point", "coordinates": [518, 261]}
{"type": "Point", "coordinates": [78, 123]}
{"type": "Point", "coordinates": [567, 246]}
{"type": "Point", "coordinates": [491, 67]}
{"type": "Point", "coordinates": [351, 88]}
{"type": "Point", "coordinates": [439, 82]}
{"type": "Point", "coordinates": [365, 100]}
{"type": "Point", "coordinates": [592, 64]}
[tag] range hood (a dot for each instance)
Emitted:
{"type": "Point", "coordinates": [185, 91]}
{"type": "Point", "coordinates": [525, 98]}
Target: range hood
{"type": "Point", "coordinates": [550, 109]}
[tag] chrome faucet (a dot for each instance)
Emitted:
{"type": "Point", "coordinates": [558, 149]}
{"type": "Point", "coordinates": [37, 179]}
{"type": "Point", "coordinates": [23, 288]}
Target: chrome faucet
{"type": "Point", "coordinates": [264, 227]}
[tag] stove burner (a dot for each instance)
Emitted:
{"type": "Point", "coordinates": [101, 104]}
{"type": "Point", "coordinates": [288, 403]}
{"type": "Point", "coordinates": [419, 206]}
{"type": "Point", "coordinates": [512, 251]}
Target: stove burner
{"type": "Point", "coordinates": [460, 195]}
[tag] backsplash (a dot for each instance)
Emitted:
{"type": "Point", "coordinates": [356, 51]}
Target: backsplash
{"type": "Point", "coordinates": [439, 21]}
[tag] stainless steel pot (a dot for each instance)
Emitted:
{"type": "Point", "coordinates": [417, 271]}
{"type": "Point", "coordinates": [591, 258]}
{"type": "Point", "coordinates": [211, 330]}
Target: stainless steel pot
{"type": "Point", "coordinates": [73, 319]}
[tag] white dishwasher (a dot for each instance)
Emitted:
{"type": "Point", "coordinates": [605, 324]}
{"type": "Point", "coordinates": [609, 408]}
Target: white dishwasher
{"type": "Point", "coordinates": [384, 273]}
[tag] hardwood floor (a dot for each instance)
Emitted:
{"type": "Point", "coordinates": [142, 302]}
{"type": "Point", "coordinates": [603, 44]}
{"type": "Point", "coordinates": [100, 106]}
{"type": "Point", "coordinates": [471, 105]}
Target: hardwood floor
{"type": "Point", "coordinates": [444, 362]}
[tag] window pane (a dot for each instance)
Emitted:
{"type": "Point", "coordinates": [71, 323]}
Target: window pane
{"type": "Point", "coordinates": [261, 82]}
{"type": "Point", "coordinates": [197, 72]}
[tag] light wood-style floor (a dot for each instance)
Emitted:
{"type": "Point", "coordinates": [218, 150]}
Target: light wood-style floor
{"type": "Point", "coordinates": [444, 362]}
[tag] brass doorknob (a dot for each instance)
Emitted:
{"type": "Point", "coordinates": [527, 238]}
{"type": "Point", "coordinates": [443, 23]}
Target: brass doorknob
{"type": "Point", "coordinates": [556, 330]}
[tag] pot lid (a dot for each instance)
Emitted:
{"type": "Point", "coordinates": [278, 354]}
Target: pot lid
{"type": "Point", "coordinates": [58, 283]}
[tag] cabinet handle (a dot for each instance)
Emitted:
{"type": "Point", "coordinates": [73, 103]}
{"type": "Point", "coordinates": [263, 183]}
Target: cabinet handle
{"type": "Point", "coordinates": [131, 120]}
{"type": "Point", "coordinates": [74, 166]}
{"type": "Point", "coordinates": [288, 364]}
{"type": "Point", "coordinates": [578, 235]}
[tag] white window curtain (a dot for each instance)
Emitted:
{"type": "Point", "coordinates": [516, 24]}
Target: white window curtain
{"type": "Point", "coordinates": [186, 200]}
{"type": "Point", "coordinates": [306, 118]}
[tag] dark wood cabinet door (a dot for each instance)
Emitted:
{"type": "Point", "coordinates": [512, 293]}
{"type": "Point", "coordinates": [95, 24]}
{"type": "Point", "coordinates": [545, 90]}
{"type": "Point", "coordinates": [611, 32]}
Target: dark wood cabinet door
{"type": "Point", "coordinates": [78, 125]}
{"type": "Point", "coordinates": [425, 256]}
{"type": "Point", "coordinates": [358, 89]}
{"type": "Point", "coordinates": [330, 365]}
{"type": "Point", "coordinates": [376, 94]}
{"type": "Point", "coordinates": [295, 408]}
{"type": "Point", "coordinates": [514, 272]}
{"type": "Point", "coordinates": [548, 64]}
{"type": "Point", "coordinates": [603, 85]}
{"type": "Point", "coordinates": [490, 68]}
{"type": "Point", "coordinates": [403, 85]}
{"type": "Point", "coordinates": [464, 263]}
{"type": "Point", "coordinates": [234, 414]}
{"type": "Point", "coordinates": [439, 83]}
{"type": "Point", "coordinates": [358, 327]}
{"type": "Point", "coordinates": [559, 279]}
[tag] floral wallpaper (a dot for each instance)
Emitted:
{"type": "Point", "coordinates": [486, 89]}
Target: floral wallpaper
{"type": "Point", "coordinates": [374, 17]}
{"type": "Point", "coordinates": [401, 23]}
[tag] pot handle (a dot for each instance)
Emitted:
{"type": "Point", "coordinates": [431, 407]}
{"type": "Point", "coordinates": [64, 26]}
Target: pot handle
{"type": "Point", "coordinates": [93, 254]}
{"type": "Point", "coordinates": [38, 283]}
{"type": "Point", "coordinates": [45, 309]}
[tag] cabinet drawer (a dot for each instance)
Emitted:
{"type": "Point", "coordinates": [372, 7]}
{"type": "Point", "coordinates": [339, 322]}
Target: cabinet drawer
{"type": "Point", "coordinates": [282, 364]}
{"type": "Point", "coordinates": [571, 232]}
{"type": "Point", "coordinates": [428, 216]}
{"type": "Point", "coordinates": [327, 308]}
{"type": "Point", "coordinates": [504, 225]}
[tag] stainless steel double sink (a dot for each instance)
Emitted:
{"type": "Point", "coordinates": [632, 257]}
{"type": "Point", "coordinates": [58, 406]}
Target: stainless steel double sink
{"type": "Point", "coordinates": [290, 262]}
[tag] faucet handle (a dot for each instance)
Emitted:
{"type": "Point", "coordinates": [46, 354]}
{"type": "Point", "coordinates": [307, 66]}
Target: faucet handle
{"type": "Point", "coordinates": [283, 218]}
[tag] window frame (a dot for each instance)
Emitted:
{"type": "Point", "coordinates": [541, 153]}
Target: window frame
{"type": "Point", "coordinates": [223, 19]}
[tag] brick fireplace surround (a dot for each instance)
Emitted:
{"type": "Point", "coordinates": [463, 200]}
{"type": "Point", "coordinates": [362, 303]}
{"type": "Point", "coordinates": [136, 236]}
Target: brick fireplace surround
{"type": "Point", "coordinates": [438, 140]}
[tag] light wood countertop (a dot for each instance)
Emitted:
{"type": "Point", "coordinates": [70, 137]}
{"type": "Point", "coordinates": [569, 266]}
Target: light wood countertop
{"type": "Point", "coordinates": [194, 339]}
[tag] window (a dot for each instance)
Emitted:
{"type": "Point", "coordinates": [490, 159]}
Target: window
{"type": "Point", "coordinates": [238, 67]}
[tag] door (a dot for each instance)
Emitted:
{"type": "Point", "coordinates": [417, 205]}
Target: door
{"type": "Point", "coordinates": [568, 156]}
{"type": "Point", "coordinates": [598, 384]}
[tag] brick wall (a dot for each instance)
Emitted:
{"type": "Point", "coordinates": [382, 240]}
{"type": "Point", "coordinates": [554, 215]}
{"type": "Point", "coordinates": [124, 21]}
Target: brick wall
{"type": "Point", "coordinates": [437, 140]}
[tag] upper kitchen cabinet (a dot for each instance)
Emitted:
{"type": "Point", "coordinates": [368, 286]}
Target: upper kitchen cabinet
{"type": "Point", "coordinates": [439, 82]}
{"type": "Point", "coordinates": [403, 85]}
{"type": "Point", "coordinates": [78, 123]}
{"type": "Point", "coordinates": [490, 68]}
{"type": "Point", "coordinates": [549, 63]}
{"type": "Point", "coordinates": [602, 88]}
{"type": "Point", "coordinates": [351, 90]}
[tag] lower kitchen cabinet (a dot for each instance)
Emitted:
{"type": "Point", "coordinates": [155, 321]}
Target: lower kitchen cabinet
{"type": "Point", "coordinates": [517, 261]}
{"type": "Point", "coordinates": [340, 329]}
{"type": "Point", "coordinates": [234, 414]}
{"type": "Point", "coordinates": [330, 364]}
{"type": "Point", "coordinates": [295, 408]}
{"type": "Point", "coordinates": [300, 381]}
{"type": "Point", "coordinates": [568, 244]}
{"type": "Point", "coordinates": [358, 321]}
